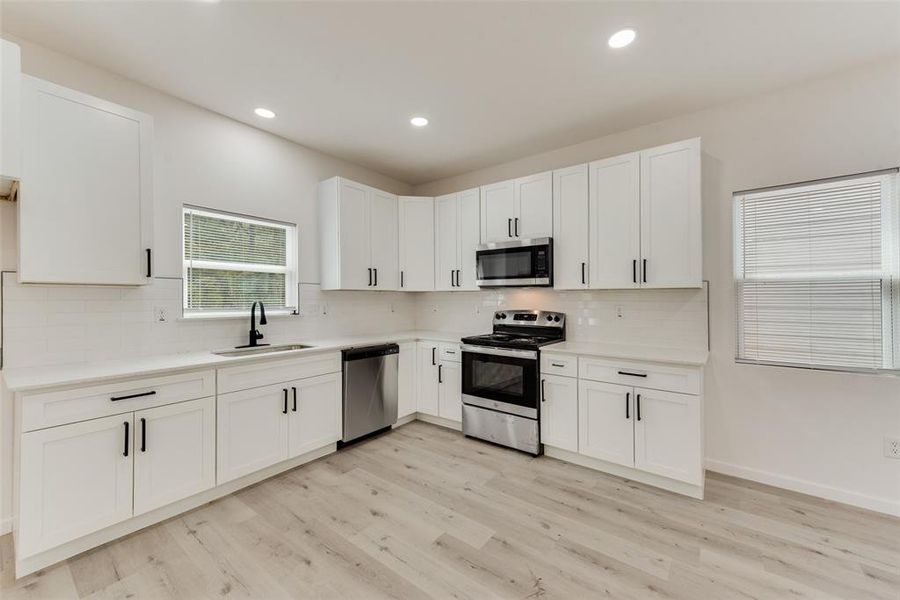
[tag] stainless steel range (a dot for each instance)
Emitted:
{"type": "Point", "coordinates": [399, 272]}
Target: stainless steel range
{"type": "Point", "coordinates": [501, 378]}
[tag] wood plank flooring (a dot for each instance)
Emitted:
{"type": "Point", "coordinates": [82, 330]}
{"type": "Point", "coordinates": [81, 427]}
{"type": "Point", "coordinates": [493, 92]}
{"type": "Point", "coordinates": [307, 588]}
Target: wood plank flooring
{"type": "Point", "coordinates": [424, 513]}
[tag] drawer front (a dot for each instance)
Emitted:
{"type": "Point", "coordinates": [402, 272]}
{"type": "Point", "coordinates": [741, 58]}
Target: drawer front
{"type": "Point", "coordinates": [449, 352]}
{"type": "Point", "coordinates": [49, 409]}
{"type": "Point", "coordinates": [270, 372]}
{"type": "Point", "coordinates": [649, 375]}
{"type": "Point", "coordinates": [559, 364]}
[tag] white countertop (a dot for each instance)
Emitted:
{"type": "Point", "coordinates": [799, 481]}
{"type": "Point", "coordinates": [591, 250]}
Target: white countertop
{"type": "Point", "coordinates": [31, 378]}
{"type": "Point", "coordinates": [678, 356]}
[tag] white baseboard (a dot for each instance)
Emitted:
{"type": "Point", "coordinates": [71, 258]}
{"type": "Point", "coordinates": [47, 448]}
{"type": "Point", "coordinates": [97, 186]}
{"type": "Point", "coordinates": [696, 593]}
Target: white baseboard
{"type": "Point", "coordinates": [439, 421]}
{"type": "Point", "coordinates": [883, 505]}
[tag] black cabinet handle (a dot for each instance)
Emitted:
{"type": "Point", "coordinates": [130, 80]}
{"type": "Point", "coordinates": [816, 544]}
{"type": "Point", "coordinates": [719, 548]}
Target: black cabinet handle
{"type": "Point", "coordinates": [284, 410]}
{"type": "Point", "coordinates": [458, 284]}
{"type": "Point", "coordinates": [295, 399]}
{"type": "Point", "coordinates": [517, 227]}
{"type": "Point", "coordinates": [433, 361]}
{"type": "Point", "coordinates": [645, 270]}
{"type": "Point", "coordinates": [126, 439]}
{"type": "Point", "coordinates": [370, 276]}
{"type": "Point", "coordinates": [627, 403]}
{"type": "Point", "coordinates": [440, 373]}
{"type": "Point", "coordinates": [143, 434]}
{"type": "Point", "coordinates": [638, 406]}
{"type": "Point", "coordinates": [543, 393]}
{"type": "Point", "coordinates": [452, 283]}
{"type": "Point", "coordinates": [557, 365]}
{"type": "Point", "coordinates": [583, 281]}
{"type": "Point", "coordinates": [509, 227]}
{"type": "Point", "coordinates": [376, 277]}
{"type": "Point", "coordinates": [149, 262]}
{"type": "Point", "coordinates": [401, 278]}
{"type": "Point", "coordinates": [130, 396]}
{"type": "Point", "coordinates": [632, 374]}
{"type": "Point", "coordinates": [634, 271]}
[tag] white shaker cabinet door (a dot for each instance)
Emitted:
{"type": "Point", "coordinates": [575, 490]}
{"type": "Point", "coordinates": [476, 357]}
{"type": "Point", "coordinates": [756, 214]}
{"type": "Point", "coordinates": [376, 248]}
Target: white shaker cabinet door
{"type": "Point", "coordinates": [417, 243]}
{"type": "Point", "coordinates": [383, 235]}
{"type": "Point", "coordinates": [469, 235]}
{"type": "Point", "coordinates": [450, 391]}
{"type": "Point", "coordinates": [671, 221]}
{"type": "Point", "coordinates": [498, 211]}
{"type": "Point", "coordinates": [446, 242]}
{"type": "Point", "coordinates": [75, 479]}
{"type": "Point", "coordinates": [175, 452]}
{"type": "Point", "coordinates": [315, 412]}
{"type": "Point", "coordinates": [252, 430]}
{"type": "Point", "coordinates": [355, 248]}
{"type": "Point", "coordinates": [86, 196]}
{"type": "Point", "coordinates": [571, 225]}
{"type": "Point", "coordinates": [406, 380]}
{"type": "Point", "coordinates": [534, 206]}
{"type": "Point", "coordinates": [605, 417]}
{"type": "Point", "coordinates": [668, 435]}
{"type": "Point", "coordinates": [615, 222]}
{"type": "Point", "coordinates": [427, 375]}
{"type": "Point", "coordinates": [559, 412]}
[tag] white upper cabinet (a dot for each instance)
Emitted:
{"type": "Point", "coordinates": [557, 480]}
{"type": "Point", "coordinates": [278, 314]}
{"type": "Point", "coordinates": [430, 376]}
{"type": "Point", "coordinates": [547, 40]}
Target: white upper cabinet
{"type": "Point", "coordinates": [645, 217]}
{"type": "Point", "coordinates": [456, 233]}
{"type": "Point", "coordinates": [517, 209]}
{"type": "Point", "coordinates": [671, 217]}
{"type": "Point", "coordinates": [497, 211]}
{"type": "Point", "coordinates": [358, 236]}
{"type": "Point", "coordinates": [383, 240]}
{"type": "Point", "coordinates": [534, 206]}
{"type": "Point", "coordinates": [615, 222]}
{"type": "Point", "coordinates": [571, 225]}
{"type": "Point", "coordinates": [86, 195]}
{"type": "Point", "coordinates": [417, 243]}
{"type": "Point", "coordinates": [10, 119]}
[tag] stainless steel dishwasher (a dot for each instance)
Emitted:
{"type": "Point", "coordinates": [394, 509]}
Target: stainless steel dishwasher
{"type": "Point", "coordinates": [370, 390]}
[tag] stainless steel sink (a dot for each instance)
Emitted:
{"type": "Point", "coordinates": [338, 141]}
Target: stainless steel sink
{"type": "Point", "coordinates": [261, 350]}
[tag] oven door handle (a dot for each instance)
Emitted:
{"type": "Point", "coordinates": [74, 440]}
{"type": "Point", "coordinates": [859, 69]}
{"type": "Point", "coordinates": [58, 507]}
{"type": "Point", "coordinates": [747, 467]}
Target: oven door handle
{"type": "Point", "coordinates": [526, 354]}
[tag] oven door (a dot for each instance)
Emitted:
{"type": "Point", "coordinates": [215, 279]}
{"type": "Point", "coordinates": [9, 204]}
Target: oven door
{"type": "Point", "coordinates": [515, 263]}
{"type": "Point", "coordinates": [501, 379]}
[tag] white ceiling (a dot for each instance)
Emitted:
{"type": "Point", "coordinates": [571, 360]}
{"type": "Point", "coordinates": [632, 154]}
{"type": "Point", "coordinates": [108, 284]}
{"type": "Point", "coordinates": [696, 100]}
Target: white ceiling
{"type": "Point", "coordinates": [498, 80]}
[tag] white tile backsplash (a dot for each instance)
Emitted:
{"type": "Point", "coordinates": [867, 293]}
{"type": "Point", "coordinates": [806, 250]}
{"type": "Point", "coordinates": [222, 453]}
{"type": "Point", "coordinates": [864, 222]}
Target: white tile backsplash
{"type": "Point", "coordinates": [48, 325]}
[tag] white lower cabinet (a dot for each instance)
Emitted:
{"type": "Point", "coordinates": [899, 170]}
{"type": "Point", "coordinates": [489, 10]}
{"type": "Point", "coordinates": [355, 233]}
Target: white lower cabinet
{"type": "Point", "coordinates": [450, 393]}
{"type": "Point", "coordinates": [252, 431]}
{"type": "Point", "coordinates": [74, 480]}
{"type": "Point", "coordinates": [605, 426]}
{"type": "Point", "coordinates": [559, 412]}
{"type": "Point", "coordinates": [668, 435]}
{"type": "Point", "coordinates": [315, 413]}
{"type": "Point", "coordinates": [427, 375]}
{"type": "Point", "coordinates": [655, 433]}
{"type": "Point", "coordinates": [174, 453]}
{"type": "Point", "coordinates": [406, 380]}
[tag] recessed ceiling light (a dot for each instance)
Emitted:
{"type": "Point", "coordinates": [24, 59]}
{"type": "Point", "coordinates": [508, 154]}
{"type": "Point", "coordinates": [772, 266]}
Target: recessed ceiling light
{"type": "Point", "coordinates": [419, 121]}
{"type": "Point", "coordinates": [265, 113]}
{"type": "Point", "coordinates": [620, 39]}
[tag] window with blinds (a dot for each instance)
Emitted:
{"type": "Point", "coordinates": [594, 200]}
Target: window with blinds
{"type": "Point", "coordinates": [230, 261]}
{"type": "Point", "coordinates": [816, 268]}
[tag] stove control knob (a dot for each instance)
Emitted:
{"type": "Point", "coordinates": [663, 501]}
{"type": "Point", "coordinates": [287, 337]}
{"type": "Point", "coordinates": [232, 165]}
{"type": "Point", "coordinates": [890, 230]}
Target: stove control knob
{"type": "Point", "coordinates": [549, 317]}
{"type": "Point", "coordinates": [556, 318]}
{"type": "Point", "coordinates": [498, 315]}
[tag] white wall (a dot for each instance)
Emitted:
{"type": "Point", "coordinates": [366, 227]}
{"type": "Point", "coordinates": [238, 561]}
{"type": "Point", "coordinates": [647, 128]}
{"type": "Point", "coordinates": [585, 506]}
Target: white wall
{"type": "Point", "coordinates": [200, 158]}
{"type": "Point", "coordinates": [812, 431]}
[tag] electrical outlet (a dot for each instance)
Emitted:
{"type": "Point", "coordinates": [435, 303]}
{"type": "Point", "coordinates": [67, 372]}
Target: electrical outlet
{"type": "Point", "coordinates": [324, 308]}
{"type": "Point", "coordinates": [160, 314]}
{"type": "Point", "coordinates": [892, 447]}
{"type": "Point", "coordinates": [620, 311]}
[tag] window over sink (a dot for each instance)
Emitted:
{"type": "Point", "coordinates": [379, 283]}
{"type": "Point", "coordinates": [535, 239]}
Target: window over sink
{"type": "Point", "coordinates": [232, 260]}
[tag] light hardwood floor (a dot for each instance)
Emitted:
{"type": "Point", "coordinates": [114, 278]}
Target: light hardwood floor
{"type": "Point", "coordinates": [423, 512]}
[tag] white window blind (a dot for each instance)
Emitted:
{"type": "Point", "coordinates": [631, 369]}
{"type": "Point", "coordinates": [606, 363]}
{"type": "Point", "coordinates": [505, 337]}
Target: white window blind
{"type": "Point", "coordinates": [816, 270]}
{"type": "Point", "coordinates": [230, 261]}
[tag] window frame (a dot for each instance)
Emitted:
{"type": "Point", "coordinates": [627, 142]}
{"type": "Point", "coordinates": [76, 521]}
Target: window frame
{"type": "Point", "coordinates": [290, 270]}
{"type": "Point", "coordinates": [890, 272]}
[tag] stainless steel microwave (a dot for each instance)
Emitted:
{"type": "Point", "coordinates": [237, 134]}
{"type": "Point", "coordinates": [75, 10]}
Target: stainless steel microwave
{"type": "Point", "coordinates": [515, 263]}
